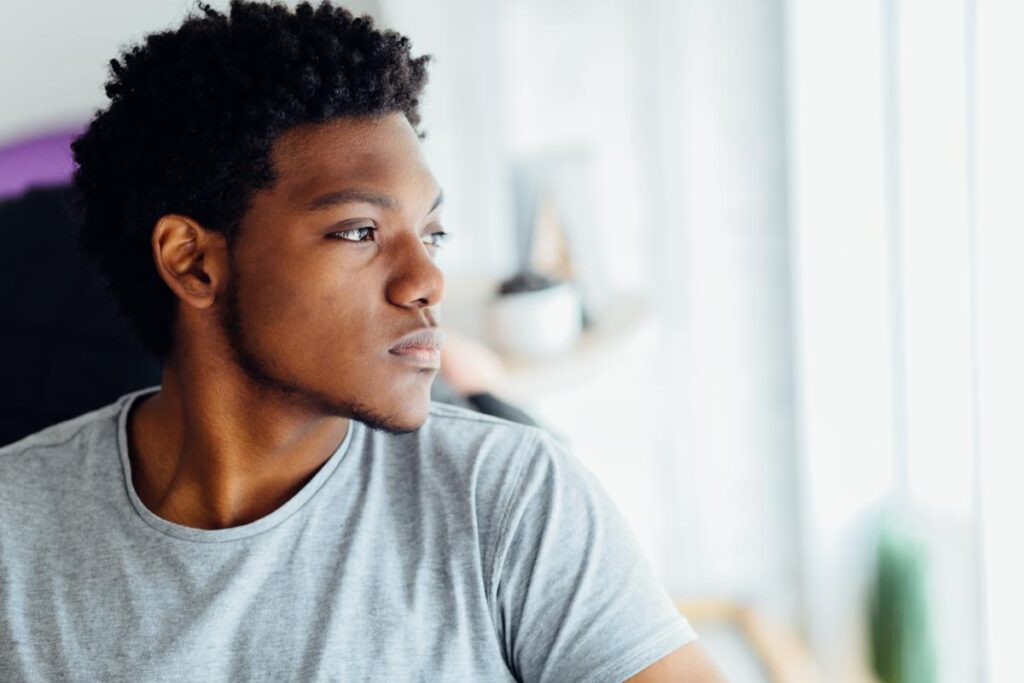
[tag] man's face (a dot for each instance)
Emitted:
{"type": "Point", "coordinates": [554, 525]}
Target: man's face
{"type": "Point", "coordinates": [316, 299]}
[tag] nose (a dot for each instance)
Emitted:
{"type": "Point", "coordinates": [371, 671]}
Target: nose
{"type": "Point", "coordinates": [416, 280]}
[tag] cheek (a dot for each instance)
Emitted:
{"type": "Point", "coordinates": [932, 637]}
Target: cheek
{"type": "Point", "coordinates": [315, 319]}
{"type": "Point", "coordinates": [276, 302]}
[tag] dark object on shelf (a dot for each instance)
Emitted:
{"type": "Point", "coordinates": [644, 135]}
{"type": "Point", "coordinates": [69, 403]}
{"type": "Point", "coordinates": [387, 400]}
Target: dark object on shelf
{"type": "Point", "coordinates": [532, 281]}
{"type": "Point", "coordinates": [527, 281]}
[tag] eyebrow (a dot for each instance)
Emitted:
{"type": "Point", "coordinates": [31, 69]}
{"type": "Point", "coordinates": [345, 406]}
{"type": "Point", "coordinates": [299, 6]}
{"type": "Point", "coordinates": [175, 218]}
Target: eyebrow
{"type": "Point", "coordinates": [361, 197]}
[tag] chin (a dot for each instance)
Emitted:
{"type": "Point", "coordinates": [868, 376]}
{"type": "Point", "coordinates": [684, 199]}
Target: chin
{"type": "Point", "coordinates": [390, 425]}
{"type": "Point", "coordinates": [403, 416]}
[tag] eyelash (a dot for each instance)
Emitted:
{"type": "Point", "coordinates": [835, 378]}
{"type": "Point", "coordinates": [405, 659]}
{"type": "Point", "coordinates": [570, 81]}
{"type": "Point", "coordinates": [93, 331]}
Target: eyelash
{"type": "Point", "coordinates": [440, 235]}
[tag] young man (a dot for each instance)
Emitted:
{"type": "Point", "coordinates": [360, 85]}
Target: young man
{"type": "Point", "coordinates": [288, 504]}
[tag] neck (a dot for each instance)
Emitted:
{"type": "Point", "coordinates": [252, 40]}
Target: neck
{"type": "Point", "coordinates": [211, 450]}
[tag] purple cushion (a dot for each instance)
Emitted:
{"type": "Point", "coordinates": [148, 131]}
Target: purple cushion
{"type": "Point", "coordinates": [40, 160]}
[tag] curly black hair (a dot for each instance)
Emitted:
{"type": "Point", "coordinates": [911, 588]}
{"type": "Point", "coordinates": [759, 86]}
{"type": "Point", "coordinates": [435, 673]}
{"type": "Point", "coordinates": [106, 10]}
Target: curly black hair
{"type": "Point", "coordinates": [192, 116]}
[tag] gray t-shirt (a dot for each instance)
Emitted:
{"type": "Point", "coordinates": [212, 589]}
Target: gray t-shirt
{"type": "Point", "coordinates": [473, 549]}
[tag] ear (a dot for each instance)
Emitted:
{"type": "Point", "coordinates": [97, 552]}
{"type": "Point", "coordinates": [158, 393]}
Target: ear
{"type": "Point", "coordinates": [191, 259]}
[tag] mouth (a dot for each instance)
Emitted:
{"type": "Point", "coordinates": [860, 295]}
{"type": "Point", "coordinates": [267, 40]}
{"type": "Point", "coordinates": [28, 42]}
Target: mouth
{"type": "Point", "coordinates": [422, 348]}
{"type": "Point", "coordinates": [422, 356]}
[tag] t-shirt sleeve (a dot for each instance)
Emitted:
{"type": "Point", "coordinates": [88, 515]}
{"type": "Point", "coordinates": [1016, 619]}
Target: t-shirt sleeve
{"type": "Point", "coordinates": [575, 597]}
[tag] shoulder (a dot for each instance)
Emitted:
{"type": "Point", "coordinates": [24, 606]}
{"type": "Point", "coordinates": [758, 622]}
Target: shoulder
{"type": "Point", "coordinates": [475, 439]}
{"type": "Point", "coordinates": [463, 448]}
{"type": "Point", "coordinates": [59, 438]}
{"type": "Point", "coordinates": [449, 414]}
{"type": "Point", "coordinates": [55, 455]}
{"type": "Point", "coordinates": [490, 445]}
{"type": "Point", "coordinates": [466, 459]}
{"type": "Point", "coordinates": [453, 425]}
{"type": "Point", "coordinates": [520, 475]}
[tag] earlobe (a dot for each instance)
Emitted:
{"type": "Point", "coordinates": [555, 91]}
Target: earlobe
{"type": "Point", "coordinates": [184, 254]}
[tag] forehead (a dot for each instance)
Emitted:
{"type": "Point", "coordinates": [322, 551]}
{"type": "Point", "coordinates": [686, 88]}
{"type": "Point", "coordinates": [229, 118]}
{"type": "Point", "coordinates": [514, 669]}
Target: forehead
{"type": "Point", "coordinates": [378, 152]}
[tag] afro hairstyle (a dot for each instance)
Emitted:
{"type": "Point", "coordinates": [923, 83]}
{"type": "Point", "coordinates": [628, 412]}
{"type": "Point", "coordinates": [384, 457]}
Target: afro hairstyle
{"type": "Point", "coordinates": [192, 116]}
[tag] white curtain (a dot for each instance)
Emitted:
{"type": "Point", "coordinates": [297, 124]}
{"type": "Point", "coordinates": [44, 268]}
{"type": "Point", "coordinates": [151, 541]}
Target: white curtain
{"type": "Point", "coordinates": [998, 217]}
{"type": "Point", "coordinates": [906, 153]}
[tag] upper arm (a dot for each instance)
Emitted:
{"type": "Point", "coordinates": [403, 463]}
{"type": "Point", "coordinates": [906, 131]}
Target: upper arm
{"type": "Point", "coordinates": [686, 664]}
{"type": "Point", "coordinates": [575, 597]}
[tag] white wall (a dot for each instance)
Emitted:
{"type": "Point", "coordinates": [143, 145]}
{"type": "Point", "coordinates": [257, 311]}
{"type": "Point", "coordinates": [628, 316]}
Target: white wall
{"type": "Point", "coordinates": [464, 116]}
{"type": "Point", "coordinates": [55, 55]}
{"type": "Point", "coordinates": [710, 115]}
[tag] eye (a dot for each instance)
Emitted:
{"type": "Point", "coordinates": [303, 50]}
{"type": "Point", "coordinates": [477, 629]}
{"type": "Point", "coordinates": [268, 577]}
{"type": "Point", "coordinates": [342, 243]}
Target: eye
{"type": "Point", "coordinates": [437, 239]}
{"type": "Point", "coordinates": [359, 233]}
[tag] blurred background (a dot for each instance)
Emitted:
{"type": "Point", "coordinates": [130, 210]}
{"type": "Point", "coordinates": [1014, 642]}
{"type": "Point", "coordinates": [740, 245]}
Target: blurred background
{"type": "Point", "coordinates": [786, 238]}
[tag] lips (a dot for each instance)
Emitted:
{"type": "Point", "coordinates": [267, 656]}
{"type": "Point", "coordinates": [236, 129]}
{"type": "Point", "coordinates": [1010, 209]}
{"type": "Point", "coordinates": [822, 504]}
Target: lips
{"type": "Point", "coordinates": [427, 340]}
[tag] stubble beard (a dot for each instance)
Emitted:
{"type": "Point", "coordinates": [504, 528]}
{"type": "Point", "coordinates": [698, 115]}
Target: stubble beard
{"type": "Point", "coordinates": [301, 397]}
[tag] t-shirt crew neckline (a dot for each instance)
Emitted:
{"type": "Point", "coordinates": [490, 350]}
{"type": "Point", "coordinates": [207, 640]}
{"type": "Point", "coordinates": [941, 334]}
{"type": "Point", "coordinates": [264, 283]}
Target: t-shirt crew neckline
{"type": "Point", "coordinates": [235, 533]}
